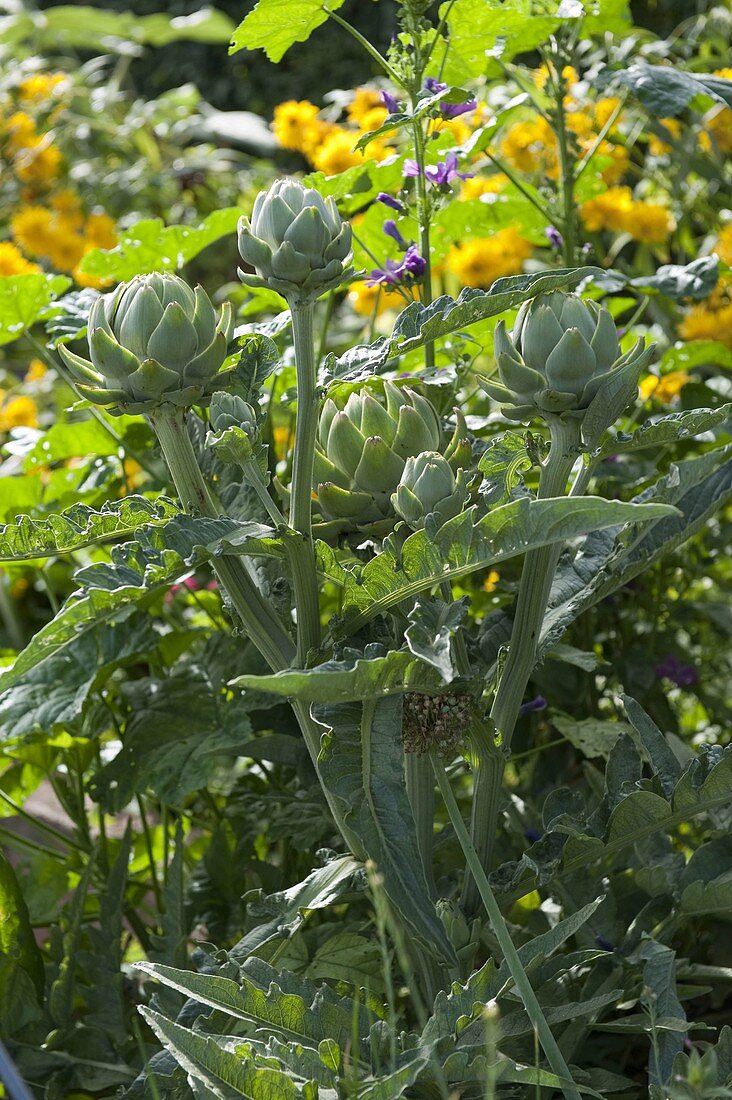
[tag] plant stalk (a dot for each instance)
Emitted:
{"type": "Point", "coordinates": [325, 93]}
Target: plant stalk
{"type": "Point", "coordinates": [304, 578]}
{"type": "Point", "coordinates": [421, 793]}
{"type": "Point", "coordinates": [500, 929]}
{"type": "Point", "coordinates": [534, 588]}
{"type": "Point", "coordinates": [265, 631]}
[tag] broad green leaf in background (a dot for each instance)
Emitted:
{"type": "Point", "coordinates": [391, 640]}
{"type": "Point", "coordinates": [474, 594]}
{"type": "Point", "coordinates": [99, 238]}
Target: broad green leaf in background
{"type": "Point", "coordinates": [694, 280]}
{"type": "Point", "coordinates": [149, 245]}
{"type": "Point", "coordinates": [666, 90]}
{"type": "Point", "coordinates": [480, 33]}
{"type": "Point", "coordinates": [17, 944]}
{"type": "Point", "coordinates": [462, 546]}
{"type": "Point", "coordinates": [24, 299]}
{"type": "Point", "coordinates": [93, 29]}
{"type": "Point", "coordinates": [663, 430]}
{"type": "Point", "coordinates": [361, 764]}
{"type": "Point", "coordinates": [80, 526]}
{"type": "Point", "coordinates": [275, 25]}
{"type": "Point", "coordinates": [659, 994]}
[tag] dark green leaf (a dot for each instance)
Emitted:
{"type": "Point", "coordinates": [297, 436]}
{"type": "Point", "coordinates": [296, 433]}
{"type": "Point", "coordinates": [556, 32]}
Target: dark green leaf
{"type": "Point", "coordinates": [663, 430]}
{"type": "Point", "coordinates": [432, 626]}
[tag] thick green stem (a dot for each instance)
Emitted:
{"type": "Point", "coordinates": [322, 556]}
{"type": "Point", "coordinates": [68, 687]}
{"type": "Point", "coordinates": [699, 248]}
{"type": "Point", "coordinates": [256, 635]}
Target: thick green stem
{"type": "Point", "coordinates": [304, 577]}
{"type": "Point", "coordinates": [567, 167]}
{"type": "Point", "coordinates": [421, 793]}
{"type": "Point", "coordinates": [534, 589]}
{"type": "Point", "coordinates": [423, 215]}
{"type": "Point", "coordinates": [502, 934]}
{"type": "Point", "coordinates": [265, 631]}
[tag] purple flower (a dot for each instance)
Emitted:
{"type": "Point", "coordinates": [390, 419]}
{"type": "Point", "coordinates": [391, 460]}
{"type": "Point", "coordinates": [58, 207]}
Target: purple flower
{"type": "Point", "coordinates": [533, 835]}
{"type": "Point", "coordinates": [682, 675]}
{"type": "Point", "coordinates": [539, 703]}
{"type": "Point", "coordinates": [454, 110]}
{"type": "Point", "coordinates": [392, 105]}
{"type": "Point", "coordinates": [391, 229]}
{"type": "Point", "coordinates": [390, 201]}
{"type": "Point", "coordinates": [411, 266]}
{"type": "Point", "coordinates": [554, 236]}
{"type": "Point", "coordinates": [411, 168]}
{"type": "Point", "coordinates": [445, 171]}
{"type": "Point", "coordinates": [604, 942]}
{"type": "Point", "coordinates": [432, 84]}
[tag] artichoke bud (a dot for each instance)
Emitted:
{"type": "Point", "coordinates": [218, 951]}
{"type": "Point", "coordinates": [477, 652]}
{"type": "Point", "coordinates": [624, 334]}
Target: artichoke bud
{"type": "Point", "coordinates": [229, 411]}
{"type": "Point", "coordinates": [562, 355]}
{"type": "Point", "coordinates": [428, 488]}
{"type": "Point", "coordinates": [296, 241]}
{"type": "Point", "coordinates": [362, 449]}
{"type": "Point", "coordinates": [152, 341]}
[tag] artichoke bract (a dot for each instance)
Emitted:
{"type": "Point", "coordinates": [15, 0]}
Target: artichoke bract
{"type": "Point", "coordinates": [227, 410]}
{"type": "Point", "coordinates": [296, 241]}
{"type": "Point", "coordinates": [362, 450]}
{"type": "Point", "coordinates": [563, 352]}
{"type": "Point", "coordinates": [428, 493]}
{"type": "Point", "coordinates": [152, 341]}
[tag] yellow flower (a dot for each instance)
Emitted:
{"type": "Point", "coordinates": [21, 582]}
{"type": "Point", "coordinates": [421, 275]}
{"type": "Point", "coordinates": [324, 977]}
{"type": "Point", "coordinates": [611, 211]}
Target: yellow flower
{"type": "Point", "coordinates": [580, 123]}
{"type": "Point", "coordinates": [603, 109]}
{"type": "Point", "coordinates": [541, 75]}
{"type": "Point", "coordinates": [608, 210]}
{"type": "Point", "coordinates": [482, 185]}
{"type": "Point", "coordinates": [619, 157]}
{"type": "Point", "coordinates": [281, 438]}
{"type": "Point", "coordinates": [364, 299]}
{"type": "Point", "coordinates": [458, 127]}
{"type": "Point", "coordinates": [649, 222]}
{"type": "Point", "coordinates": [38, 162]}
{"type": "Point", "coordinates": [336, 153]}
{"type": "Point", "coordinates": [720, 130]}
{"type": "Point", "coordinates": [373, 119]}
{"type": "Point", "coordinates": [364, 102]}
{"type": "Point", "coordinates": [19, 588]}
{"type": "Point", "coordinates": [65, 249]}
{"type": "Point", "coordinates": [31, 227]}
{"type": "Point", "coordinates": [531, 146]}
{"type": "Point", "coordinates": [491, 581]}
{"type": "Point", "coordinates": [21, 130]}
{"type": "Point", "coordinates": [41, 86]}
{"type": "Point", "coordinates": [712, 318]}
{"type": "Point", "coordinates": [483, 260]}
{"type": "Point", "coordinates": [657, 147]}
{"type": "Point", "coordinates": [18, 412]}
{"type": "Point", "coordinates": [294, 122]}
{"type": "Point", "coordinates": [133, 473]}
{"type": "Point", "coordinates": [724, 244]}
{"type": "Point", "coordinates": [100, 231]}
{"type": "Point", "coordinates": [663, 389]}
{"type": "Point", "coordinates": [36, 370]}
{"type": "Point", "coordinates": [13, 262]}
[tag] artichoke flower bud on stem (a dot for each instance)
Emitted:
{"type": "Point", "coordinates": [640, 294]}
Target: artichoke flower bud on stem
{"type": "Point", "coordinates": [428, 493]}
{"type": "Point", "coordinates": [152, 341]}
{"type": "Point", "coordinates": [235, 438]}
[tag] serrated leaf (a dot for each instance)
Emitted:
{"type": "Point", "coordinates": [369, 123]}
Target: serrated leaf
{"type": "Point", "coordinates": [432, 626]}
{"type": "Point", "coordinates": [275, 25]}
{"type": "Point", "coordinates": [418, 324]}
{"type": "Point", "coordinates": [663, 430]}
{"type": "Point", "coordinates": [503, 464]}
{"type": "Point", "coordinates": [373, 675]}
{"type": "Point", "coordinates": [24, 299]}
{"type": "Point", "coordinates": [361, 764]}
{"type": "Point", "coordinates": [462, 546]}
{"type": "Point", "coordinates": [149, 245]}
{"type": "Point", "coordinates": [80, 526]}
{"type": "Point", "coordinates": [659, 976]}
{"type": "Point", "coordinates": [592, 736]}
{"type": "Point", "coordinates": [661, 755]}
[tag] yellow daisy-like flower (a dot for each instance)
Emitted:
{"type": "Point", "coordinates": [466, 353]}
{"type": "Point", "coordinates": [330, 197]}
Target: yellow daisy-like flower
{"type": "Point", "coordinates": [65, 249]}
{"type": "Point", "coordinates": [364, 102]}
{"type": "Point", "coordinates": [608, 210]}
{"type": "Point", "coordinates": [483, 260]}
{"type": "Point", "coordinates": [619, 160]}
{"type": "Point", "coordinates": [337, 152]}
{"type": "Point", "coordinates": [603, 110]}
{"type": "Point", "coordinates": [373, 119]}
{"type": "Point", "coordinates": [13, 262]}
{"type": "Point", "coordinates": [365, 299]}
{"type": "Point", "coordinates": [458, 127]}
{"type": "Point", "coordinates": [657, 147]}
{"type": "Point", "coordinates": [712, 318]}
{"type": "Point", "coordinates": [482, 185]}
{"type": "Point", "coordinates": [31, 228]}
{"type": "Point", "coordinates": [100, 231]}
{"type": "Point", "coordinates": [649, 222]}
{"type": "Point", "coordinates": [663, 389]}
{"type": "Point", "coordinates": [38, 162]}
{"type": "Point", "coordinates": [36, 371]}
{"type": "Point", "coordinates": [21, 129]}
{"type": "Point", "coordinates": [724, 244]}
{"type": "Point", "coordinates": [18, 412]}
{"type": "Point", "coordinates": [580, 123]}
{"type": "Point", "coordinates": [294, 122]}
{"type": "Point", "coordinates": [531, 146]}
{"type": "Point", "coordinates": [541, 75]}
{"type": "Point", "coordinates": [41, 86]}
{"type": "Point", "coordinates": [491, 581]}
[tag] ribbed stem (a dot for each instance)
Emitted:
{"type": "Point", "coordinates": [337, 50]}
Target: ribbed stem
{"type": "Point", "coordinates": [303, 559]}
{"type": "Point", "coordinates": [534, 589]}
{"type": "Point", "coordinates": [502, 934]}
{"type": "Point", "coordinates": [265, 631]}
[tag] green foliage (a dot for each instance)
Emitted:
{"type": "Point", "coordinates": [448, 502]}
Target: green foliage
{"type": "Point", "coordinates": [275, 25]}
{"type": "Point", "coordinates": [91, 28]}
{"type": "Point", "coordinates": [24, 299]}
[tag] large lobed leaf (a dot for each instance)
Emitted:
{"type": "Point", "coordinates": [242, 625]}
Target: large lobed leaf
{"type": "Point", "coordinates": [80, 526]}
{"type": "Point", "coordinates": [463, 546]}
{"type": "Point", "coordinates": [275, 25]}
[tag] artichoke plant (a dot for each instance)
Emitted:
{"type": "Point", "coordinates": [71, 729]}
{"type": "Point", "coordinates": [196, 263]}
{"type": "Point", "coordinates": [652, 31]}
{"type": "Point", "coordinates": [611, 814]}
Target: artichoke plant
{"type": "Point", "coordinates": [561, 354]}
{"type": "Point", "coordinates": [152, 341]}
{"type": "Point", "coordinates": [428, 491]}
{"type": "Point", "coordinates": [296, 241]}
{"type": "Point", "coordinates": [362, 450]}
{"type": "Point", "coordinates": [227, 410]}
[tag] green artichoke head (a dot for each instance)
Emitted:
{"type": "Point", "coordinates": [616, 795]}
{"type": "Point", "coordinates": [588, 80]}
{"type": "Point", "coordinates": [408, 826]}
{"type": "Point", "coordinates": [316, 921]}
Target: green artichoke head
{"type": "Point", "coordinates": [152, 341]}
{"type": "Point", "coordinates": [296, 241]}
{"type": "Point", "coordinates": [428, 492]}
{"type": "Point", "coordinates": [562, 353]}
{"type": "Point", "coordinates": [229, 411]}
{"type": "Point", "coordinates": [362, 449]}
